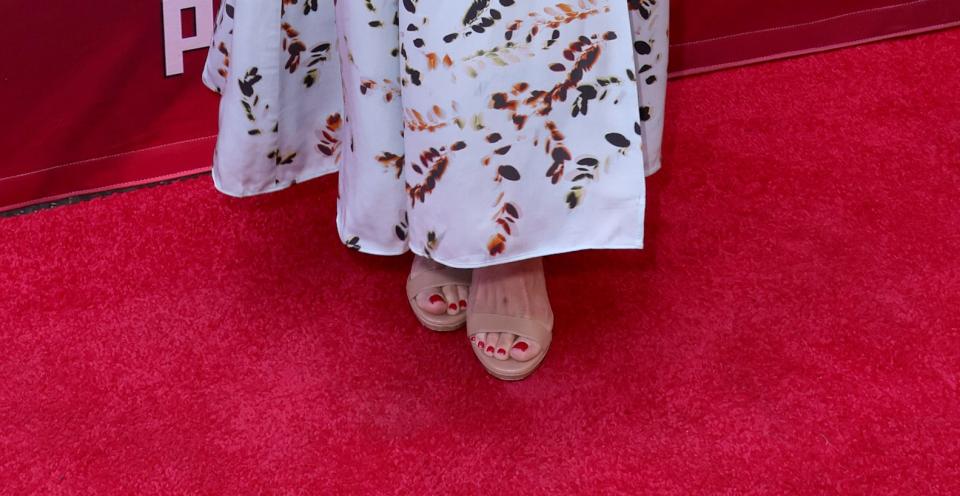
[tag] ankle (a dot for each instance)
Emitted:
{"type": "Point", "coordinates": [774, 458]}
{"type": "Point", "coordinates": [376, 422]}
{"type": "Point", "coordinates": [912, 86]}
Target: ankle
{"type": "Point", "coordinates": [520, 267]}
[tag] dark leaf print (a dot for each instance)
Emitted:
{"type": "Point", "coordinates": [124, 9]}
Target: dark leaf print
{"type": "Point", "coordinates": [509, 173]}
{"type": "Point", "coordinates": [617, 139]}
{"type": "Point", "coordinates": [353, 243]}
{"type": "Point", "coordinates": [574, 196]}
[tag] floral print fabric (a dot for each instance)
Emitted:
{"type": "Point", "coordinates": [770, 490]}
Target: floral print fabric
{"type": "Point", "coordinates": [474, 132]}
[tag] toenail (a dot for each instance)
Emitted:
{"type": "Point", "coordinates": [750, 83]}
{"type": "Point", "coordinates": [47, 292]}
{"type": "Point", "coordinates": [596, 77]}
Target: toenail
{"type": "Point", "coordinates": [436, 298]}
{"type": "Point", "coordinates": [521, 346]}
{"type": "Point", "coordinates": [463, 303]}
{"type": "Point", "coordinates": [473, 338]}
{"type": "Point", "coordinates": [453, 306]}
{"type": "Point", "coordinates": [490, 349]}
{"type": "Point", "coordinates": [480, 345]}
{"type": "Point", "coordinates": [501, 351]}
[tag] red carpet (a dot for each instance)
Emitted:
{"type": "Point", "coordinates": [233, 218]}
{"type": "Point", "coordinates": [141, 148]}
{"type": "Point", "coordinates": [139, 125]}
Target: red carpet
{"type": "Point", "coordinates": [794, 326]}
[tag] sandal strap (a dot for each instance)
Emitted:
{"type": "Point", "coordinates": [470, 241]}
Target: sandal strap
{"type": "Point", "coordinates": [429, 279]}
{"type": "Point", "coordinates": [534, 330]}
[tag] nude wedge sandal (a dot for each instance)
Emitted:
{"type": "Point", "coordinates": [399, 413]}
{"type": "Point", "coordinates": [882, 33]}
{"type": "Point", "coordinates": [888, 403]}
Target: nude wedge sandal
{"type": "Point", "coordinates": [436, 279]}
{"type": "Point", "coordinates": [534, 330]}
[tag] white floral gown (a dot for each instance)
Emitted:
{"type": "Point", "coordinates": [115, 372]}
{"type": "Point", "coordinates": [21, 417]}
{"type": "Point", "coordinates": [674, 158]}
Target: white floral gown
{"type": "Point", "coordinates": [474, 132]}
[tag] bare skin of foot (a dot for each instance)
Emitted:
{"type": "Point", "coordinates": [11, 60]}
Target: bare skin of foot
{"type": "Point", "coordinates": [516, 289]}
{"type": "Point", "coordinates": [450, 300]}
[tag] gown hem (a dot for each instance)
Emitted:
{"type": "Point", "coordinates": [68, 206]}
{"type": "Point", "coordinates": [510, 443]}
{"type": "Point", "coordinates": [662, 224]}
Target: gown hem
{"type": "Point", "coordinates": [272, 189]}
{"type": "Point", "coordinates": [457, 264]}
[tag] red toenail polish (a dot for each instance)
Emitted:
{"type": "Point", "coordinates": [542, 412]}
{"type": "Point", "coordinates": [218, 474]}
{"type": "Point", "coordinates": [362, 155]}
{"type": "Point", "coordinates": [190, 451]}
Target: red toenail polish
{"type": "Point", "coordinates": [453, 306]}
{"type": "Point", "coordinates": [490, 349]}
{"type": "Point", "coordinates": [473, 338]}
{"type": "Point", "coordinates": [463, 303]}
{"type": "Point", "coordinates": [521, 346]}
{"type": "Point", "coordinates": [436, 298]}
{"type": "Point", "coordinates": [480, 345]}
{"type": "Point", "coordinates": [501, 351]}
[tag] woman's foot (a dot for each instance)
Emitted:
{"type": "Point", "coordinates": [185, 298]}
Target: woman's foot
{"type": "Point", "coordinates": [516, 289]}
{"type": "Point", "coordinates": [445, 300]}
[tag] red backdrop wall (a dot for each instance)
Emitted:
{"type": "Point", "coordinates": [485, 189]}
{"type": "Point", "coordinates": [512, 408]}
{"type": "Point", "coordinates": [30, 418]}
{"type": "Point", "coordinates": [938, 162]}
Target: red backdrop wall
{"type": "Point", "coordinates": [87, 104]}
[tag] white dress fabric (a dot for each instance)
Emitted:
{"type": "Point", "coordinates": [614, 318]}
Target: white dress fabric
{"type": "Point", "coordinates": [473, 132]}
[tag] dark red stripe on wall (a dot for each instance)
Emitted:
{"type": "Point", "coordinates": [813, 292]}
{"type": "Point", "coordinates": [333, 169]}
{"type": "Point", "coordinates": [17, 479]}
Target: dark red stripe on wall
{"type": "Point", "coordinates": [716, 35]}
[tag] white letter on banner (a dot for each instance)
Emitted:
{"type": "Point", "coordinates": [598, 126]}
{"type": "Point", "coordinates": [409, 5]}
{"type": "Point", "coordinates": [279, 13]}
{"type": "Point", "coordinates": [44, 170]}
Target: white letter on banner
{"type": "Point", "coordinates": [174, 43]}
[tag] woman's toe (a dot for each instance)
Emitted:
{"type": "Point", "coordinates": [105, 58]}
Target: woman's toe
{"type": "Point", "coordinates": [479, 340]}
{"type": "Point", "coordinates": [490, 346]}
{"type": "Point", "coordinates": [524, 350]}
{"type": "Point", "coordinates": [463, 292]}
{"type": "Point", "coordinates": [452, 299]}
{"type": "Point", "coordinates": [432, 302]}
{"type": "Point", "coordinates": [504, 343]}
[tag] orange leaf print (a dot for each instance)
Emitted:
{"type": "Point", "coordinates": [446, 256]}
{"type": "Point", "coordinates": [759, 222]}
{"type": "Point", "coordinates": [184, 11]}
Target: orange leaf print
{"type": "Point", "coordinates": [497, 244]}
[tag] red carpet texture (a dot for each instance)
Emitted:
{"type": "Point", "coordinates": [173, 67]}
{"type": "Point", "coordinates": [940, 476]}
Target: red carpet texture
{"type": "Point", "coordinates": [792, 328]}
